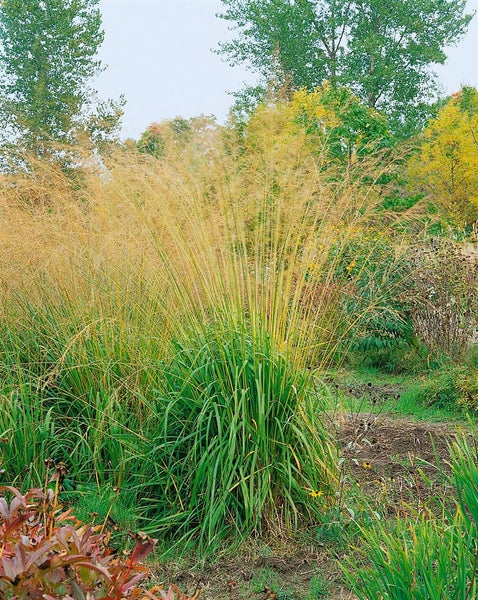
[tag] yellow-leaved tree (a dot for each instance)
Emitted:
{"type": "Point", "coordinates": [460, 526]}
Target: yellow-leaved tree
{"type": "Point", "coordinates": [446, 167]}
{"type": "Point", "coordinates": [330, 121]}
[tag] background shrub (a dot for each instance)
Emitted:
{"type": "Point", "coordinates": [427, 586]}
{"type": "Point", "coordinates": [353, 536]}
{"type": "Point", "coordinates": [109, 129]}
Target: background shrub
{"type": "Point", "coordinates": [440, 297]}
{"type": "Point", "coordinates": [453, 388]}
{"type": "Point", "coordinates": [372, 273]}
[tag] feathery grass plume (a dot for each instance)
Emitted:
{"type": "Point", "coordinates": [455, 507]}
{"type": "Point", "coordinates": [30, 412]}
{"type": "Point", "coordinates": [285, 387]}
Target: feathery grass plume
{"type": "Point", "coordinates": [159, 319]}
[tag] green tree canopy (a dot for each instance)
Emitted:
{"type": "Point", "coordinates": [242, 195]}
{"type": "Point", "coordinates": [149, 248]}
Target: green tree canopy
{"type": "Point", "coordinates": [47, 57]}
{"type": "Point", "coordinates": [382, 50]}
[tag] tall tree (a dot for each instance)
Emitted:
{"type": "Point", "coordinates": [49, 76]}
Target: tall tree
{"type": "Point", "coordinates": [391, 49]}
{"type": "Point", "coordinates": [47, 57]}
{"type": "Point", "coordinates": [299, 42]}
{"type": "Point", "coordinates": [382, 50]}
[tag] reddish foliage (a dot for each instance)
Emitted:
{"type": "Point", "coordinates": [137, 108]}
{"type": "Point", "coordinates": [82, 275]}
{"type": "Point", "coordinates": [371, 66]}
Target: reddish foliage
{"type": "Point", "coordinates": [48, 554]}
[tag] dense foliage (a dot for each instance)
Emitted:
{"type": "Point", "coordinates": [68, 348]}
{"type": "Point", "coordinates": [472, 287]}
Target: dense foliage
{"type": "Point", "coordinates": [47, 553]}
{"type": "Point", "coordinates": [446, 166]}
{"type": "Point", "coordinates": [47, 58]}
{"type": "Point", "coordinates": [172, 321]}
{"type": "Point", "coordinates": [382, 51]}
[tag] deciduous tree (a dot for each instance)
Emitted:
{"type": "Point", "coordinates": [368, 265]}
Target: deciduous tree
{"type": "Point", "coordinates": [194, 135]}
{"type": "Point", "coordinates": [381, 50]}
{"type": "Point", "coordinates": [48, 54]}
{"type": "Point", "coordinates": [447, 164]}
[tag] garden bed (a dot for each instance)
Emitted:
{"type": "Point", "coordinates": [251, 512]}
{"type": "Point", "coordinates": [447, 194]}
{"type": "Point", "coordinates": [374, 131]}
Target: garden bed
{"type": "Point", "coordinates": [385, 458]}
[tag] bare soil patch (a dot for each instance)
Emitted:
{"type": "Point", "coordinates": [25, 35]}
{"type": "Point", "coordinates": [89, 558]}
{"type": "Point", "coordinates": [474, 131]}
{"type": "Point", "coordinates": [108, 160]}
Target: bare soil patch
{"type": "Point", "coordinates": [391, 447]}
{"type": "Point", "coordinates": [389, 457]}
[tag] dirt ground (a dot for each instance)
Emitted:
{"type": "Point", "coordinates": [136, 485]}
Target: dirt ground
{"type": "Point", "coordinates": [390, 459]}
{"type": "Point", "coordinates": [383, 457]}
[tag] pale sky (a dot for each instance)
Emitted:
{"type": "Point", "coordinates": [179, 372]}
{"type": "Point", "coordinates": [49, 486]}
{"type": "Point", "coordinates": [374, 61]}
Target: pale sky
{"type": "Point", "coordinates": [159, 54]}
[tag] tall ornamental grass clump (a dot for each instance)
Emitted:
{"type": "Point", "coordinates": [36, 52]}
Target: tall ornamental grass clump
{"type": "Point", "coordinates": [244, 442]}
{"type": "Point", "coordinates": [158, 321]}
{"type": "Point", "coordinates": [426, 557]}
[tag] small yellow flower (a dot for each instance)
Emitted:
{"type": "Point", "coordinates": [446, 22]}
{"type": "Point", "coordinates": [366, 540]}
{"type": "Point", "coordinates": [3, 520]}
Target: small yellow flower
{"type": "Point", "coordinates": [366, 465]}
{"type": "Point", "coordinates": [316, 494]}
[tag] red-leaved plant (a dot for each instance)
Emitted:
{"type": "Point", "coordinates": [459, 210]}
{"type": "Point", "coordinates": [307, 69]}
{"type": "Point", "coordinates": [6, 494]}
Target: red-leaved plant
{"type": "Point", "coordinates": [45, 552]}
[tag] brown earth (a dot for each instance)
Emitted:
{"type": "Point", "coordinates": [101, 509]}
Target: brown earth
{"type": "Point", "coordinates": [380, 450]}
{"type": "Point", "coordinates": [385, 459]}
